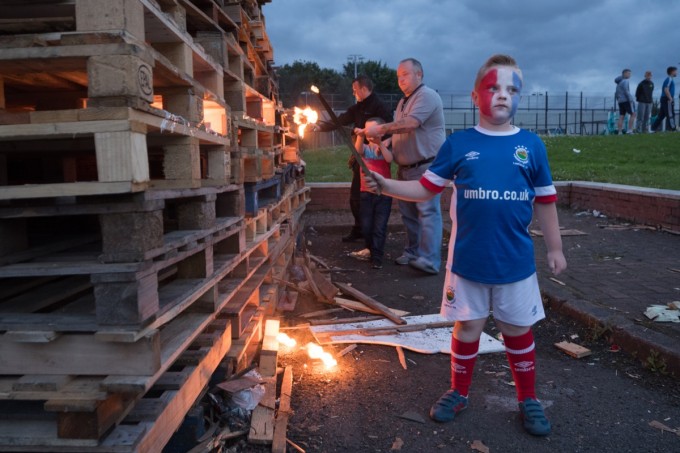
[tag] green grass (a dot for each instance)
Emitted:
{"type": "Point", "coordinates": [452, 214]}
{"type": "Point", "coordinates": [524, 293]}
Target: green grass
{"type": "Point", "coordinates": [644, 160]}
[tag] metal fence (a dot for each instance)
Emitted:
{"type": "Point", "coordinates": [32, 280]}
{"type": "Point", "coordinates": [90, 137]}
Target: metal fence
{"type": "Point", "coordinates": [541, 112]}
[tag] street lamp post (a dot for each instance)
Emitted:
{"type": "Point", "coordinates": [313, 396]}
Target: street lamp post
{"type": "Point", "coordinates": [355, 58]}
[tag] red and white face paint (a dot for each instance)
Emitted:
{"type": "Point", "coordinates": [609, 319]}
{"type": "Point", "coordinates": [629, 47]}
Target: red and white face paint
{"type": "Point", "coordinates": [498, 94]}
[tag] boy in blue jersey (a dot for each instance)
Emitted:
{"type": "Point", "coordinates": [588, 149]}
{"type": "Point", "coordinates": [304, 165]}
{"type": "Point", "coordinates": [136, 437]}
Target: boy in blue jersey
{"type": "Point", "coordinates": [501, 177]}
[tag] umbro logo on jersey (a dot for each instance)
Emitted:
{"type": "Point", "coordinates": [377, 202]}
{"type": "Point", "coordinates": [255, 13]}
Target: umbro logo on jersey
{"type": "Point", "coordinates": [524, 366]}
{"type": "Point", "coordinates": [472, 155]}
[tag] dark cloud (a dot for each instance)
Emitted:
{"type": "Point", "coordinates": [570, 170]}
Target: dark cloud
{"type": "Point", "coordinates": [579, 45]}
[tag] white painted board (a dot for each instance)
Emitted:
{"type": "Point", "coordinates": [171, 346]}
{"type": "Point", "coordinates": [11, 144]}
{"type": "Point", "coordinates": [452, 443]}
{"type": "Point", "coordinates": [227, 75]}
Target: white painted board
{"type": "Point", "coordinates": [428, 341]}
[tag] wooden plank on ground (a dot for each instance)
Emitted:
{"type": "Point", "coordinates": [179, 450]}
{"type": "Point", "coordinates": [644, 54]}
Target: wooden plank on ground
{"type": "Point", "coordinates": [369, 301]}
{"type": "Point", "coordinates": [262, 421]}
{"type": "Point", "coordinates": [328, 290]}
{"type": "Point", "coordinates": [284, 412]}
{"type": "Point", "coordinates": [402, 357]}
{"type": "Point", "coordinates": [359, 306]}
{"type": "Point", "coordinates": [575, 350]}
{"type": "Point", "coordinates": [270, 348]}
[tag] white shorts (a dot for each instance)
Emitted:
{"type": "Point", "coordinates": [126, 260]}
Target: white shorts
{"type": "Point", "coordinates": [517, 303]}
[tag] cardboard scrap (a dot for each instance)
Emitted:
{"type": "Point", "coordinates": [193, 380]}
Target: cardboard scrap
{"type": "Point", "coordinates": [663, 313]}
{"type": "Point", "coordinates": [575, 350]}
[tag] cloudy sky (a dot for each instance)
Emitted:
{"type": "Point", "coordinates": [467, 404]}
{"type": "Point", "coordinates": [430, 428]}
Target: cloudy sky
{"type": "Point", "coordinates": [567, 45]}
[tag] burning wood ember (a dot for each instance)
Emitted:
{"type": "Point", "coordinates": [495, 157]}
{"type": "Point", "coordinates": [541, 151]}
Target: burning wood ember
{"type": "Point", "coordinates": [316, 352]}
{"type": "Point", "coordinates": [286, 340]}
{"type": "Point", "coordinates": [303, 117]}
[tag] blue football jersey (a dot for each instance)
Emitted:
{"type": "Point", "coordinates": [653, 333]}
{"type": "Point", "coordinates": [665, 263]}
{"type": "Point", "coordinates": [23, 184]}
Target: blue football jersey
{"type": "Point", "coordinates": [497, 178]}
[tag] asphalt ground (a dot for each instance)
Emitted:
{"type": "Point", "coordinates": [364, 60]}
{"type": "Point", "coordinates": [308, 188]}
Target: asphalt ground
{"type": "Point", "coordinates": [616, 270]}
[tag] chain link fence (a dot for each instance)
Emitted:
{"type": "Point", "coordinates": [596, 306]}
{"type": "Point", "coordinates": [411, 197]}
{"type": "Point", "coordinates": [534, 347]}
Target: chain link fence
{"type": "Point", "coordinates": [544, 113]}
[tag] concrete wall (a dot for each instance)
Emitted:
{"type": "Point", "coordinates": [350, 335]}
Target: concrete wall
{"type": "Point", "coordinates": [657, 207]}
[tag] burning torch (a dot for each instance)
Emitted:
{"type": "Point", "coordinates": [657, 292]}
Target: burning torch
{"type": "Point", "coordinates": [346, 136]}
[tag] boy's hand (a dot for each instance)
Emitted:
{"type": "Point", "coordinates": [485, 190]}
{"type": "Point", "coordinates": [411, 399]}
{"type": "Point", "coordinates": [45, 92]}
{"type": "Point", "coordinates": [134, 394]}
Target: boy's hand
{"type": "Point", "coordinates": [556, 262]}
{"type": "Point", "coordinates": [373, 182]}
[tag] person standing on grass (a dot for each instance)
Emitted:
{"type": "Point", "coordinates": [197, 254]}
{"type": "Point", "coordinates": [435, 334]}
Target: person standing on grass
{"type": "Point", "coordinates": [667, 102]}
{"type": "Point", "coordinates": [501, 177]}
{"type": "Point", "coordinates": [626, 102]}
{"type": "Point", "coordinates": [368, 106]}
{"type": "Point", "coordinates": [643, 96]}
{"type": "Point", "coordinates": [417, 133]}
{"type": "Point", "coordinates": [375, 209]}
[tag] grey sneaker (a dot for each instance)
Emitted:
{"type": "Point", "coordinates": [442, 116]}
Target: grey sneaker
{"type": "Point", "coordinates": [404, 259]}
{"type": "Point", "coordinates": [423, 265]}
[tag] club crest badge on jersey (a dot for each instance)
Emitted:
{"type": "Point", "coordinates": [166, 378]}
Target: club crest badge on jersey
{"type": "Point", "coordinates": [521, 156]}
{"type": "Point", "coordinates": [450, 295]}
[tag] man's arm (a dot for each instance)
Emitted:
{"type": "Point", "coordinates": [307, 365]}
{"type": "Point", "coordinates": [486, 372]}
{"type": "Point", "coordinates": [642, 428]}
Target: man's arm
{"type": "Point", "coordinates": [546, 213]}
{"type": "Point", "coordinates": [401, 126]}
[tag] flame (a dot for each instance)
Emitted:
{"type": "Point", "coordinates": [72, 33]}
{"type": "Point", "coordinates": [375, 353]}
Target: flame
{"type": "Point", "coordinates": [316, 352]}
{"type": "Point", "coordinates": [286, 340]}
{"type": "Point", "coordinates": [303, 117]}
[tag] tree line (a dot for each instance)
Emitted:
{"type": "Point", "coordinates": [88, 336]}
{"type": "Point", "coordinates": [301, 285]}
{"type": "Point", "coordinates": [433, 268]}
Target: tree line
{"type": "Point", "coordinates": [296, 79]}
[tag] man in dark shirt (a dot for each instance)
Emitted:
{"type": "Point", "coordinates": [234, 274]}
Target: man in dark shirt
{"type": "Point", "coordinates": [643, 96]}
{"type": "Point", "coordinates": [368, 106]}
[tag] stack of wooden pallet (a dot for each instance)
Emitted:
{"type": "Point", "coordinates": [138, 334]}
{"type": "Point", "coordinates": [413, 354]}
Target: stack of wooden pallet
{"type": "Point", "coordinates": [133, 135]}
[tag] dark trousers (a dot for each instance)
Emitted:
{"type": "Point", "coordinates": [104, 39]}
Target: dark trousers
{"type": "Point", "coordinates": [667, 111]}
{"type": "Point", "coordinates": [375, 213]}
{"type": "Point", "coordinates": [355, 197]}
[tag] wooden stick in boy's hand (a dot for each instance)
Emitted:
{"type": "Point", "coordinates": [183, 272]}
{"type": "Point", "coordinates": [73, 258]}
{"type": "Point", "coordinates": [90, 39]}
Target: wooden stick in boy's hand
{"type": "Point", "coordinates": [345, 135]}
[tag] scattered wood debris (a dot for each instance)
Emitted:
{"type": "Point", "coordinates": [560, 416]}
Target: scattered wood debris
{"type": "Point", "coordinates": [369, 301]}
{"type": "Point", "coordinates": [360, 306]}
{"type": "Point", "coordinates": [658, 425]}
{"type": "Point", "coordinates": [347, 350]}
{"type": "Point", "coordinates": [575, 350]}
{"type": "Point", "coordinates": [412, 416]}
{"type": "Point", "coordinates": [397, 444]}
{"type": "Point", "coordinates": [284, 412]}
{"type": "Point", "coordinates": [319, 261]}
{"type": "Point", "coordinates": [238, 384]}
{"type": "Point", "coordinates": [478, 445]}
{"type": "Point", "coordinates": [315, 314]}
{"type": "Point", "coordinates": [295, 446]}
{"type": "Point", "coordinates": [209, 445]}
{"type": "Point", "coordinates": [402, 357]}
{"type": "Point", "coordinates": [287, 301]}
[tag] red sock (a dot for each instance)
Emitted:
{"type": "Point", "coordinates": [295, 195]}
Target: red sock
{"type": "Point", "coordinates": [521, 352]}
{"type": "Point", "coordinates": [463, 358]}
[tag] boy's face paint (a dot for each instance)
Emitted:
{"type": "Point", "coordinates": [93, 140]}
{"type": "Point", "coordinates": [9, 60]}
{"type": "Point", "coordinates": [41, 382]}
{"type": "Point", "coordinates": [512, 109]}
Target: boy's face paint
{"type": "Point", "coordinates": [498, 94]}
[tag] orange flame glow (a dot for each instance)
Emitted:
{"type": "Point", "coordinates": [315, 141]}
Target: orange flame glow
{"type": "Point", "coordinates": [316, 352]}
{"type": "Point", "coordinates": [303, 117]}
{"type": "Point", "coordinates": [286, 340]}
